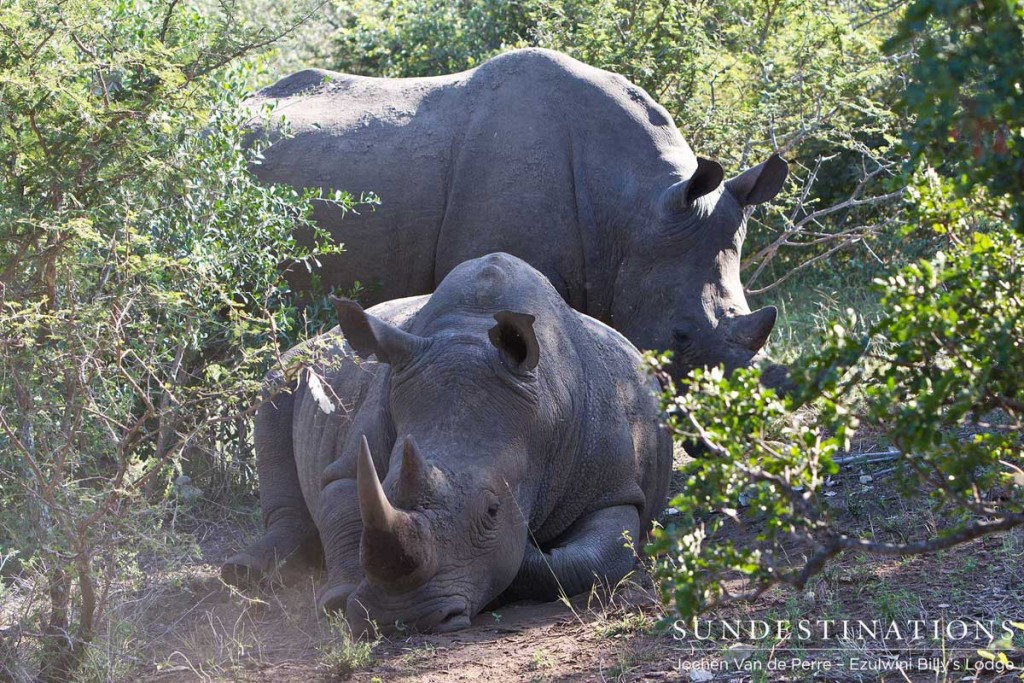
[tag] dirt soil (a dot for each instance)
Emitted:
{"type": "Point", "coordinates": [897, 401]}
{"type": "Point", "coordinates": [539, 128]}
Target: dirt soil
{"type": "Point", "coordinates": [196, 628]}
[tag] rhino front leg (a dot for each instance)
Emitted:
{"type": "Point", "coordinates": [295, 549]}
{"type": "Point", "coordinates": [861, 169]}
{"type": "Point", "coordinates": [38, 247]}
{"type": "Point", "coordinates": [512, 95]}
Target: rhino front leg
{"type": "Point", "coordinates": [592, 550]}
{"type": "Point", "coordinates": [289, 526]}
{"type": "Point", "coordinates": [341, 530]}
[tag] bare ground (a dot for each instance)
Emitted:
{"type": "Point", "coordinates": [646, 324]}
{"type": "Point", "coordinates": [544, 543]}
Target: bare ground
{"type": "Point", "coordinates": [195, 628]}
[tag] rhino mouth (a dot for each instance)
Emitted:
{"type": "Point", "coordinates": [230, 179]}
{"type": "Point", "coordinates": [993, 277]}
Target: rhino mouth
{"type": "Point", "coordinates": [455, 619]}
{"type": "Point", "coordinates": [438, 615]}
{"type": "Point", "coordinates": [738, 341]}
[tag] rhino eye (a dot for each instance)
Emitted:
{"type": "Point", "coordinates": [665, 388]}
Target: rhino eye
{"type": "Point", "coordinates": [493, 506]}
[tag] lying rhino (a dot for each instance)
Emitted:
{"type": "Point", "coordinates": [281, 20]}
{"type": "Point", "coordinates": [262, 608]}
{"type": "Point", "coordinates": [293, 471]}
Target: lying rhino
{"type": "Point", "coordinates": [573, 169]}
{"type": "Point", "coordinates": [501, 443]}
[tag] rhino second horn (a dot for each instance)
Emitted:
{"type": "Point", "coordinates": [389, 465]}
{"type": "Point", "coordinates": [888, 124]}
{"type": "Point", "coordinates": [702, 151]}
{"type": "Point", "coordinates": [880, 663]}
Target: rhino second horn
{"type": "Point", "coordinates": [752, 329]}
{"type": "Point", "coordinates": [412, 478]}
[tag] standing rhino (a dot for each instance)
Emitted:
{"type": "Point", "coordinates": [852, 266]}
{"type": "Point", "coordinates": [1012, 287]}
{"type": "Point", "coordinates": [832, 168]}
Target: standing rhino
{"type": "Point", "coordinates": [571, 168]}
{"type": "Point", "coordinates": [500, 443]}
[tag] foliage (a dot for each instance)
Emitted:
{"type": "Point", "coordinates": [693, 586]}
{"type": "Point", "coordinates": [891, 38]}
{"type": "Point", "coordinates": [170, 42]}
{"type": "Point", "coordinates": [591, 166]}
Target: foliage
{"type": "Point", "coordinates": [344, 654]}
{"type": "Point", "coordinates": [424, 37]}
{"type": "Point", "coordinates": [140, 296]}
{"type": "Point", "coordinates": [938, 375]}
{"type": "Point", "coordinates": [967, 95]}
{"type": "Point", "coordinates": [781, 456]}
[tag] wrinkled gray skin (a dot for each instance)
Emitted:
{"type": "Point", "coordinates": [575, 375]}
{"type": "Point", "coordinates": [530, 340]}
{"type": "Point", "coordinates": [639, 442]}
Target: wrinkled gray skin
{"type": "Point", "coordinates": [515, 441]}
{"type": "Point", "coordinates": [571, 168]}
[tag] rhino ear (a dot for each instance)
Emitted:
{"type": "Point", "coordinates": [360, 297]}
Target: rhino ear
{"type": "Point", "coordinates": [705, 179]}
{"type": "Point", "coordinates": [760, 183]}
{"type": "Point", "coordinates": [368, 335]}
{"type": "Point", "coordinates": [515, 337]}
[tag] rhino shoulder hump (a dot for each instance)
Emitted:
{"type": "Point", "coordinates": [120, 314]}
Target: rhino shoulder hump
{"type": "Point", "coordinates": [607, 337]}
{"type": "Point", "coordinates": [531, 63]}
{"type": "Point", "coordinates": [299, 82]}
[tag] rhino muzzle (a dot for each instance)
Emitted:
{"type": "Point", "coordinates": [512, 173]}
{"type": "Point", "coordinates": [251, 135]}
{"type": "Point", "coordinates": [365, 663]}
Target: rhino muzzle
{"type": "Point", "coordinates": [396, 551]}
{"type": "Point", "coordinates": [370, 612]}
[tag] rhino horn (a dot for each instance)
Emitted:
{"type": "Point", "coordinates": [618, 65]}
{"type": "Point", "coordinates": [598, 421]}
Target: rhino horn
{"type": "Point", "coordinates": [412, 478]}
{"type": "Point", "coordinates": [752, 329]}
{"type": "Point", "coordinates": [374, 507]}
{"type": "Point", "coordinates": [395, 549]}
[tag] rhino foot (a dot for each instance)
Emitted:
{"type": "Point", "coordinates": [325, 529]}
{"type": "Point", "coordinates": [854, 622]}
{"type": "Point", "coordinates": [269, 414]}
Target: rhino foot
{"type": "Point", "coordinates": [243, 570]}
{"type": "Point", "coordinates": [333, 598]}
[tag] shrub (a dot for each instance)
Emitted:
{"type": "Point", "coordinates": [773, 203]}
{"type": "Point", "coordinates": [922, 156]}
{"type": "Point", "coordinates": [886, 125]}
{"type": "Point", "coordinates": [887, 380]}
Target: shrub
{"type": "Point", "coordinates": [343, 654]}
{"type": "Point", "coordinates": [140, 295]}
{"type": "Point", "coordinates": [938, 375]}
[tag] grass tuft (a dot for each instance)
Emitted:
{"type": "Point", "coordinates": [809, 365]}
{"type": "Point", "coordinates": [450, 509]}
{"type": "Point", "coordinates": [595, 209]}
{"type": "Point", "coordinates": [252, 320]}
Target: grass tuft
{"type": "Point", "coordinates": [342, 654]}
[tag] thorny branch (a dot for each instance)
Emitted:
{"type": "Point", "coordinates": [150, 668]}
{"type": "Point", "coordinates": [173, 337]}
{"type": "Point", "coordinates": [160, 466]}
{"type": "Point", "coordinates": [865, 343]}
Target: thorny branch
{"type": "Point", "coordinates": [805, 226]}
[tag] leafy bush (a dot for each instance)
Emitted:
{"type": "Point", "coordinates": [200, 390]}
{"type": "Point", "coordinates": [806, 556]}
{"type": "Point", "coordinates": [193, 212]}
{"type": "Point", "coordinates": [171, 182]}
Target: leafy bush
{"type": "Point", "coordinates": [345, 654]}
{"type": "Point", "coordinates": [967, 95]}
{"type": "Point", "coordinates": [938, 375]}
{"type": "Point", "coordinates": [140, 295]}
{"type": "Point", "coordinates": [424, 37]}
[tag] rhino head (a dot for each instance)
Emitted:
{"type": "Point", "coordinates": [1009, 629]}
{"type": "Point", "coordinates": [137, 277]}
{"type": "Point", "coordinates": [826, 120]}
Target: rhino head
{"type": "Point", "coordinates": [684, 292]}
{"type": "Point", "coordinates": [445, 531]}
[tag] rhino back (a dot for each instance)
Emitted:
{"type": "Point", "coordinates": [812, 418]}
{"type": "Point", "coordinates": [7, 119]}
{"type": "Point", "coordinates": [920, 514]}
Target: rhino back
{"type": "Point", "coordinates": [558, 164]}
{"type": "Point", "coordinates": [532, 153]}
{"type": "Point", "coordinates": [391, 137]}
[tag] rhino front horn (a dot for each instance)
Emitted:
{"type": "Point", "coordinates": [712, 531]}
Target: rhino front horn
{"type": "Point", "coordinates": [374, 507]}
{"type": "Point", "coordinates": [752, 329]}
{"type": "Point", "coordinates": [395, 551]}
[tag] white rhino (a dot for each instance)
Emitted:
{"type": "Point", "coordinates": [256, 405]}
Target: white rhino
{"type": "Point", "coordinates": [492, 441]}
{"type": "Point", "coordinates": [571, 168]}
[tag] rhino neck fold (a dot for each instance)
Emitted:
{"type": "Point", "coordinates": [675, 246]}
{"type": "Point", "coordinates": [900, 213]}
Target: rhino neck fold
{"type": "Point", "coordinates": [622, 214]}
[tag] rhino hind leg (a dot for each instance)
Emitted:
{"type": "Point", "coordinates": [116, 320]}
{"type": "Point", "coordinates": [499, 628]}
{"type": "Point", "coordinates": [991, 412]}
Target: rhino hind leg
{"type": "Point", "coordinates": [290, 533]}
